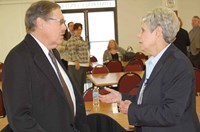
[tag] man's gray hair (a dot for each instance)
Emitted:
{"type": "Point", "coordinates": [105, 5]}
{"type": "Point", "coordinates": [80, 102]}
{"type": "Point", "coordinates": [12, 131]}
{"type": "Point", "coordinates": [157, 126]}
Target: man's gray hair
{"type": "Point", "coordinates": [42, 9]}
{"type": "Point", "coordinates": [166, 19]}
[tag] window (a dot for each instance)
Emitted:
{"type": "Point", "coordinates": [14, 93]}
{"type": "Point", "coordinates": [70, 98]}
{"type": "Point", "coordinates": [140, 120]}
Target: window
{"type": "Point", "coordinates": [99, 22]}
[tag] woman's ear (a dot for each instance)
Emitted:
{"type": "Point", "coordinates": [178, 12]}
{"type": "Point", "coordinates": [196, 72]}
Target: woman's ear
{"type": "Point", "coordinates": [159, 31]}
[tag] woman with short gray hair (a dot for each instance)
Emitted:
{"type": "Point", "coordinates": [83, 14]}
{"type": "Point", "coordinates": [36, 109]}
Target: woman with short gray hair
{"type": "Point", "coordinates": [166, 20]}
{"type": "Point", "coordinates": [166, 98]}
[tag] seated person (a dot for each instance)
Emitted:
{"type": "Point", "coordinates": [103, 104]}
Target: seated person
{"type": "Point", "coordinates": [113, 52]}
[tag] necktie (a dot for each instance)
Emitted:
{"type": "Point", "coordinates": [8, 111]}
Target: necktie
{"type": "Point", "coordinates": [64, 85]}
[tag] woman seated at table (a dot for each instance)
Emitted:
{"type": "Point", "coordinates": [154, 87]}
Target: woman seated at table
{"type": "Point", "coordinates": [113, 52]}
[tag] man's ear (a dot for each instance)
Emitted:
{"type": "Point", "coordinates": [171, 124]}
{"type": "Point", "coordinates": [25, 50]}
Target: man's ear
{"type": "Point", "coordinates": [39, 23]}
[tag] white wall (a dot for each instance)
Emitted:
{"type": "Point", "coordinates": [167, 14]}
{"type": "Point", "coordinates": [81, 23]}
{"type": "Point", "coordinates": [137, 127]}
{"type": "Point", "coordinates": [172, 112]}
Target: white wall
{"type": "Point", "coordinates": [186, 10]}
{"type": "Point", "coordinates": [11, 24]}
{"type": "Point", "coordinates": [130, 13]}
{"type": "Point", "coordinates": [12, 29]}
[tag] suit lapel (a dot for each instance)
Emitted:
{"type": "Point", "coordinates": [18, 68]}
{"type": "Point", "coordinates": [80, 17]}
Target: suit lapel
{"type": "Point", "coordinates": [76, 91]}
{"type": "Point", "coordinates": [160, 63]}
{"type": "Point", "coordinates": [42, 62]}
{"type": "Point", "coordinates": [79, 98]}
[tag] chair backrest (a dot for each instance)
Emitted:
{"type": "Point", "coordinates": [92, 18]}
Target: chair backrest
{"type": "Point", "coordinates": [197, 77]}
{"type": "Point", "coordinates": [128, 81]}
{"type": "Point", "coordinates": [136, 61]}
{"type": "Point", "coordinates": [89, 69]}
{"type": "Point", "coordinates": [1, 66]}
{"type": "Point", "coordinates": [2, 110]}
{"type": "Point", "coordinates": [140, 55]}
{"type": "Point", "coordinates": [133, 91]}
{"type": "Point", "coordinates": [132, 68]}
{"type": "Point", "coordinates": [93, 58]}
{"type": "Point", "coordinates": [114, 66]}
{"type": "Point", "coordinates": [87, 95]}
{"type": "Point", "coordinates": [0, 75]}
{"type": "Point", "coordinates": [100, 69]}
{"type": "Point", "coordinates": [103, 123]}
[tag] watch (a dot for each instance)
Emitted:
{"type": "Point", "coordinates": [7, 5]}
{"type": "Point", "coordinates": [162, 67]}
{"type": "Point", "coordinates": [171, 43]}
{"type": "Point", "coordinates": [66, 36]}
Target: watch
{"type": "Point", "coordinates": [170, 3]}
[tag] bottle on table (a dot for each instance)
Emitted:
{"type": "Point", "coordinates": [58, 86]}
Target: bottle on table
{"type": "Point", "coordinates": [95, 96]}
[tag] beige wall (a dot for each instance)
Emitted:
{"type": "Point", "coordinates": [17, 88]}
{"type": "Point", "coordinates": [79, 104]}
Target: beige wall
{"type": "Point", "coordinates": [130, 13]}
{"type": "Point", "coordinates": [12, 29]}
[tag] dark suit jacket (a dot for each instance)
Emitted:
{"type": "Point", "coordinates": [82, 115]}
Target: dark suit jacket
{"type": "Point", "coordinates": [169, 98]}
{"type": "Point", "coordinates": [33, 96]}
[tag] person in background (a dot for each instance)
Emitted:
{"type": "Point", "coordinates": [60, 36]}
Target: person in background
{"type": "Point", "coordinates": [67, 34]}
{"type": "Point", "coordinates": [62, 49]}
{"type": "Point", "coordinates": [165, 101]}
{"type": "Point", "coordinates": [113, 52]}
{"type": "Point", "coordinates": [71, 28]}
{"type": "Point", "coordinates": [37, 92]}
{"type": "Point", "coordinates": [194, 35]}
{"type": "Point", "coordinates": [182, 39]}
{"type": "Point", "coordinates": [78, 57]}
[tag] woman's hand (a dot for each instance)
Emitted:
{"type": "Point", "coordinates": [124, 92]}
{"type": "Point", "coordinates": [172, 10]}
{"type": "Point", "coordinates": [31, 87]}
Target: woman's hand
{"type": "Point", "coordinates": [112, 97]}
{"type": "Point", "coordinates": [77, 65]}
{"type": "Point", "coordinates": [124, 105]}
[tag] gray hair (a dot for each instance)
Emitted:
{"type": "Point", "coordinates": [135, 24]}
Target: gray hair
{"type": "Point", "coordinates": [197, 17]}
{"type": "Point", "coordinates": [166, 19]}
{"type": "Point", "coordinates": [42, 9]}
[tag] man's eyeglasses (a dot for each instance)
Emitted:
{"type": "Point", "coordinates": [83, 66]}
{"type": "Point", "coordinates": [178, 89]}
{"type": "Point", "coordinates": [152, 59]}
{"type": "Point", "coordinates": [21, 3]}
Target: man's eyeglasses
{"type": "Point", "coordinates": [61, 21]}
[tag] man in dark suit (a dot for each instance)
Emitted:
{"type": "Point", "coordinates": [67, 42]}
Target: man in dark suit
{"type": "Point", "coordinates": [37, 92]}
{"type": "Point", "coordinates": [166, 99]}
{"type": "Point", "coordinates": [182, 41]}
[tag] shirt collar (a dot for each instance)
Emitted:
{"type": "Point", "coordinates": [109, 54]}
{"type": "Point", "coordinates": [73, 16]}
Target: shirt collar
{"type": "Point", "coordinates": [153, 60]}
{"type": "Point", "coordinates": [45, 50]}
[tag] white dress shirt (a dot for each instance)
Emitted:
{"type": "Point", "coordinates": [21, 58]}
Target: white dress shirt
{"type": "Point", "coordinates": [150, 64]}
{"type": "Point", "coordinates": [65, 77]}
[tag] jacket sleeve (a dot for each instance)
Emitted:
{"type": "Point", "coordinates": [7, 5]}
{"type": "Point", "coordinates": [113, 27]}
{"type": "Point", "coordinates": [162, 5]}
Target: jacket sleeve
{"type": "Point", "coordinates": [106, 56]}
{"type": "Point", "coordinates": [17, 94]}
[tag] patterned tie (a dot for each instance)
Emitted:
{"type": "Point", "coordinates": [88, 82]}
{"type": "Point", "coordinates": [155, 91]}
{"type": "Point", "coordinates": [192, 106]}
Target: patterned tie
{"type": "Point", "coordinates": [64, 85]}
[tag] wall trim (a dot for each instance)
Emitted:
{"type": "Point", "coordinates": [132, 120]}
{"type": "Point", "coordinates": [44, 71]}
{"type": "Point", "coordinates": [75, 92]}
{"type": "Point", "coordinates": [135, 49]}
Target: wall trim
{"type": "Point", "coordinates": [11, 2]}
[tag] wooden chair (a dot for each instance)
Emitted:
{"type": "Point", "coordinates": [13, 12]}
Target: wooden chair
{"type": "Point", "coordinates": [0, 75]}
{"type": "Point", "coordinates": [128, 81]}
{"type": "Point", "coordinates": [197, 77]}
{"type": "Point", "coordinates": [114, 66]}
{"type": "Point", "coordinates": [100, 69]}
{"type": "Point", "coordinates": [87, 95]}
{"type": "Point", "coordinates": [132, 68]}
{"type": "Point", "coordinates": [92, 60]}
{"type": "Point", "coordinates": [1, 67]}
{"type": "Point", "coordinates": [2, 109]}
{"type": "Point", "coordinates": [89, 69]}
